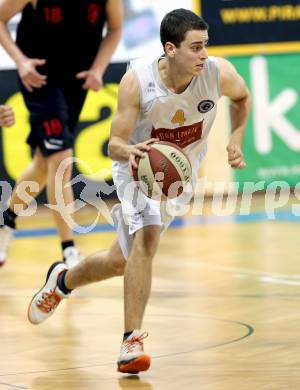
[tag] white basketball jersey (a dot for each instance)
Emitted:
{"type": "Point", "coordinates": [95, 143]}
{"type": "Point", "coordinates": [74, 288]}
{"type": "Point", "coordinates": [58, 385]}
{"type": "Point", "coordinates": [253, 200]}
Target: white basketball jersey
{"type": "Point", "coordinates": [184, 119]}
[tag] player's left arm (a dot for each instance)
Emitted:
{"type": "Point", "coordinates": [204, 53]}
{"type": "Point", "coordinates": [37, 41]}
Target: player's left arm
{"type": "Point", "coordinates": [233, 86]}
{"type": "Point", "coordinates": [93, 76]}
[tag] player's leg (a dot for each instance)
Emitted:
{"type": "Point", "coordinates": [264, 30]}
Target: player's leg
{"type": "Point", "coordinates": [137, 286]}
{"type": "Point", "coordinates": [97, 267]}
{"type": "Point", "coordinates": [138, 223]}
{"type": "Point", "coordinates": [36, 172]}
{"type": "Point", "coordinates": [71, 101]}
{"type": "Point", "coordinates": [60, 280]}
{"type": "Point", "coordinates": [138, 275]}
{"type": "Point", "coordinates": [60, 194]}
{"type": "Point", "coordinates": [36, 103]}
{"type": "Point", "coordinates": [50, 131]}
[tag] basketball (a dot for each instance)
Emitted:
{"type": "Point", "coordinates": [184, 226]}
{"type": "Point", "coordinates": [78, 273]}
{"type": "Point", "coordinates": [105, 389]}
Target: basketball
{"type": "Point", "coordinates": [164, 171]}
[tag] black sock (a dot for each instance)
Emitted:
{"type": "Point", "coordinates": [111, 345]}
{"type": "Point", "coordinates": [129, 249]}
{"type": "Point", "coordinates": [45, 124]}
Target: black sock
{"type": "Point", "coordinates": [9, 218]}
{"type": "Point", "coordinates": [126, 335]}
{"type": "Point", "coordinates": [61, 282]}
{"type": "Point", "coordinates": [67, 244]}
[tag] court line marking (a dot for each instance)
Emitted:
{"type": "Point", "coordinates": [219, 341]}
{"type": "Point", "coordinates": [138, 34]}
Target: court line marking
{"type": "Point", "coordinates": [287, 282]}
{"type": "Point", "coordinates": [261, 276]}
{"type": "Point", "coordinates": [236, 270]}
{"type": "Point", "coordinates": [249, 332]}
{"type": "Point", "coordinates": [13, 386]}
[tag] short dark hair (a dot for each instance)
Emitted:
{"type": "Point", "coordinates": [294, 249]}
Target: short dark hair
{"type": "Point", "coordinates": [177, 23]}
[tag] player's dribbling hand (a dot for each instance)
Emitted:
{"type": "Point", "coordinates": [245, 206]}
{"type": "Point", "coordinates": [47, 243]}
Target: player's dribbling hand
{"type": "Point", "coordinates": [92, 79]}
{"type": "Point", "coordinates": [138, 151]}
{"type": "Point", "coordinates": [7, 116]}
{"type": "Point", "coordinates": [235, 157]}
{"type": "Point", "coordinates": [29, 76]}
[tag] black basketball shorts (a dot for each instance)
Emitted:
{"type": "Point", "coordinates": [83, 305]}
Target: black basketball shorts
{"type": "Point", "coordinates": [54, 113]}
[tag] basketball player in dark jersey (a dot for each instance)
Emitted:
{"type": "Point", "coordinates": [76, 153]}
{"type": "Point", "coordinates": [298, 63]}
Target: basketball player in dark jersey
{"type": "Point", "coordinates": [60, 54]}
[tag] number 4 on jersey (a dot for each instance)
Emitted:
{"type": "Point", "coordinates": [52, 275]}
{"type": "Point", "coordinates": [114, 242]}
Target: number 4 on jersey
{"type": "Point", "coordinates": [179, 118]}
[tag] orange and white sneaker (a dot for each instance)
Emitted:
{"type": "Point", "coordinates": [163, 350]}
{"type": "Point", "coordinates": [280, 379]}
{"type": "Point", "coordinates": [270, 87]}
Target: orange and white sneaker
{"type": "Point", "coordinates": [46, 300]}
{"type": "Point", "coordinates": [132, 358]}
{"type": "Point", "coordinates": [6, 234]}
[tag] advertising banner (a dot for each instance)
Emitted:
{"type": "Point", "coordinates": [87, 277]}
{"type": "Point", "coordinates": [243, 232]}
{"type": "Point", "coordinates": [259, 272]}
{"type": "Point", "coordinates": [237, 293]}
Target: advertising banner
{"type": "Point", "coordinates": [275, 24]}
{"type": "Point", "coordinates": [272, 142]}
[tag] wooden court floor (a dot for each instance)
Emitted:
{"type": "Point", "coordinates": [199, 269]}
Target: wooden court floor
{"type": "Point", "coordinates": [223, 314]}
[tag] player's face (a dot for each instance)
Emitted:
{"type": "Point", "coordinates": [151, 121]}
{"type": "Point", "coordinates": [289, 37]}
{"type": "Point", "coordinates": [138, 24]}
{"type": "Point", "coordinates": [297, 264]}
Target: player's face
{"type": "Point", "coordinates": [191, 54]}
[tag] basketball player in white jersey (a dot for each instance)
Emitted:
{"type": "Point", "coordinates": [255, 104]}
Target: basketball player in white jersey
{"type": "Point", "coordinates": [174, 98]}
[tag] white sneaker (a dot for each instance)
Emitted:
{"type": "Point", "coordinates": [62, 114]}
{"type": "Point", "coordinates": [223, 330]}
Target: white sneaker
{"type": "Point", "coordinates": [71, 256]}
{"type": "Point", "coordinates": [6, 234]}
{"type": "Point", "coordinates": [132, 358]}
{"type": "Point", "coordinates": [46, 300]}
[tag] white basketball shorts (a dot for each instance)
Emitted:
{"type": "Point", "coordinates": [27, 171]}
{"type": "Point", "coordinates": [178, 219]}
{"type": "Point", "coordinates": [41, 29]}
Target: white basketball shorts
{"type": "Point", "coordinates": [137, 211]}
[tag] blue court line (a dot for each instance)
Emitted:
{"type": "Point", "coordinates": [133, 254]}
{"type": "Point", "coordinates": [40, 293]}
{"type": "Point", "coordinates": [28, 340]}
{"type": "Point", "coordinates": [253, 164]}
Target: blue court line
{"type": "Point", "coordinates": [283, 216]}
{"type": "Point", "coordinates": [53, 232]}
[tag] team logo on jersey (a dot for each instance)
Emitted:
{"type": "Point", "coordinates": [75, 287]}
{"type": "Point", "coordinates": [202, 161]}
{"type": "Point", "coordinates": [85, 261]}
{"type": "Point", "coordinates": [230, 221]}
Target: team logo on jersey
{"type": "Point", "coordinates": [151, 87]}
{"type": "Point", "coordinates": [205, 106]}
{"type": "Point", "coordinates": [93, 12]}
{"type": "Point", "coordinates": [181, 136]}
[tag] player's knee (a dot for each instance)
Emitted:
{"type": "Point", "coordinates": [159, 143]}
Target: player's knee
{"type": "Point", "coordinates": [116, 262]}
{"type": "Point", "coordinates": [118, 265]}
{"type": "Point", "coordinates": [148, 240]}
{"type": "Point", "coordinates": [58, 157]}
{"type": "Point", "coordinates": [62, 160]}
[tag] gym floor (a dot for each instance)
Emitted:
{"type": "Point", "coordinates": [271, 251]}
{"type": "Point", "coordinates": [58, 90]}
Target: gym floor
{"type": "Point", "coordinates": [223, 312]}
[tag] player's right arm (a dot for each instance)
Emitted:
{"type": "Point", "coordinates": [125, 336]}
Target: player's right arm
{"type": "Point", "coordinates": [26, 66]}
{"type": "Point", "coordinates": [125, 121]}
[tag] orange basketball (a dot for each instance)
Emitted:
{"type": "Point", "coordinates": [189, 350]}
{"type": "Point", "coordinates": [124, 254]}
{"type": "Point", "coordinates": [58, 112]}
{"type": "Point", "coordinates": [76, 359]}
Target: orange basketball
{"type": "Point", "coordinates": [164, 171]}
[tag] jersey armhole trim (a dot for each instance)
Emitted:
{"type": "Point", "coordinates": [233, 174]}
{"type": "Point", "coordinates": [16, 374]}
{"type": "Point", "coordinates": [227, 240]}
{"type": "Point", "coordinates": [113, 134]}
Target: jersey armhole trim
{"type": "Point", "coordinates": [218, 77]}
{"type": "Point", "coordinates": [140, 87]}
